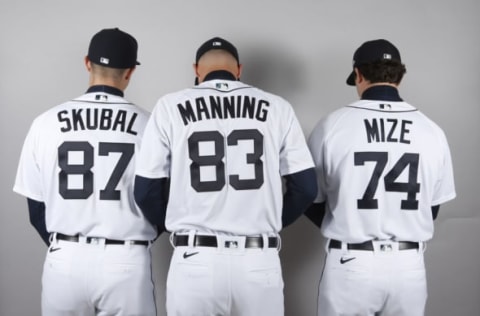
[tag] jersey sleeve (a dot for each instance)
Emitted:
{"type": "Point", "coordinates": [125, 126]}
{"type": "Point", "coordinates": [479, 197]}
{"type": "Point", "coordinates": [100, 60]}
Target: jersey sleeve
{"type": "Point", "coordinates": [153, 159]}
{"type": "Point", "coordinates": [28, 178]}
{"type": "Point", "coordinates": [445, 187]}
{"type": "Point", "coordinates": [294, 154]}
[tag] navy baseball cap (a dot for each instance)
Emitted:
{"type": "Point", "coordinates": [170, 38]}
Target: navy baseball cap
{"type": "Point", "coordinates": [372, 51]}
{"type": "Point", "coordinates": [217, 43]}
{"type": "Point", "coordinates": [113, 48]}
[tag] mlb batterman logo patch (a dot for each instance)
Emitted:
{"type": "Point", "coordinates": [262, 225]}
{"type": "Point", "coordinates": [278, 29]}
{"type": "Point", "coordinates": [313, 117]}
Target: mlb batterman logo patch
{"type": "Point", "coordinates": [104, 60]}
{"type": "Point", "coordinates": [221, 85]}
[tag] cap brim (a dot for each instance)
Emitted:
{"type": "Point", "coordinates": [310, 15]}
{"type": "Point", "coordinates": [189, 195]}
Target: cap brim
{"type": "Point", "coordinates": [351, 79]}
{"type": "Point", "coordinates": [137, 63]}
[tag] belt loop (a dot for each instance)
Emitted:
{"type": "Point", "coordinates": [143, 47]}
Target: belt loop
{"type": "Point", "coordinates": [172, 236]}
{"type": "Point", "coordinates": [327, 245]}
{"type": "Point", "coordinates": [150, 243]}
{"type": "Point", "coordinates": [422, 246]}
{"type": "Point", "coordinates": [191, 238]}
{"type": "Point", "coordinates": [221, 242]}
{"type": "Point", "coordinates": [344, 246]}
{"type": "Point", "coordinates": [265, 241]}
{"type": "Point", "coordinates": [279, 242]}
{"type": "Point", "coordinates": [53, 237]}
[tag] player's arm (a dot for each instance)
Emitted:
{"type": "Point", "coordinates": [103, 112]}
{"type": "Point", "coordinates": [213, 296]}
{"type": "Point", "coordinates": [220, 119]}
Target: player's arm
{"type": "Point", "coordinates": [36, 212]}
{"type": "Point", "coordinates": [315, 213]}
{"type": "Point", "coordinates": [301, 190]}
{"type": "Point", "coordinates": [435, 210]}
{"type": "Point", "coordinates": [151, 196]}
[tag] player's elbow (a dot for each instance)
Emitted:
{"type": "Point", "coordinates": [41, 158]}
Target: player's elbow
{"type": "Point", "coordinates": [151, 195]}
{"type": "Point", "coordinates": [311, 189]}
{"type": "Point", "coordinates": [140, 191]}
{"type": "Point", "coordinates": [302, 186]}
{"type": "Point", "coordinates": [301, 190]}
{"type": "Point", "coordinates": [307, 185]}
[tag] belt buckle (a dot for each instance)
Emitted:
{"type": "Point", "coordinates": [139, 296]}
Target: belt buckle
{"type": "Point", "coordinates": [231, 244]}
{"type": "Point", "coordinates": [386, 247]}
{"type": "Point", "coordinates": [94, 240]}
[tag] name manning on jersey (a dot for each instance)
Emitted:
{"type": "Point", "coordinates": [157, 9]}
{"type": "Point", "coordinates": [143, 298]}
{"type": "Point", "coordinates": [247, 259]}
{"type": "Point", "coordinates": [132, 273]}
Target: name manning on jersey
{"type": "Point", "coordinates": [97, 119]}
{"type": "Point", "coordinates": [240, 106]}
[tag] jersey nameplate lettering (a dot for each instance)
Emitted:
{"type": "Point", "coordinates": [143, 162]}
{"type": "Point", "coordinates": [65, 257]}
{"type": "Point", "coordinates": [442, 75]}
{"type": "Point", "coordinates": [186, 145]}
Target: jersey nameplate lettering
{"type": "Point", "coordinates": [97, 119]}
{"type": "Point", "coordinates": [387, 130]}
{"type": "Point", "coordinates": [213, 107]}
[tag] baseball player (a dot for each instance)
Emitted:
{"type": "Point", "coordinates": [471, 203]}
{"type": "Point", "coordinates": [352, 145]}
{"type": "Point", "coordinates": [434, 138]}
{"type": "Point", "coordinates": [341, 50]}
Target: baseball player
{"type": "Point", "coordinates": [76, 170]}
{"type": "Point", "coordinates": [223, 147]}
{"type": "Point", "coordinates": [383, 169]}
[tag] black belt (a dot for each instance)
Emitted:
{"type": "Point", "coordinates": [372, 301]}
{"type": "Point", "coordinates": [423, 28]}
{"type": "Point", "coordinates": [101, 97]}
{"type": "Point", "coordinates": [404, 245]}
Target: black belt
{"type": "Point", "coordinates": [368, 245]}
{"type": "Point", "coordinates": [91, 240]}
{"type": "Point", "coordinates": [211, 241]}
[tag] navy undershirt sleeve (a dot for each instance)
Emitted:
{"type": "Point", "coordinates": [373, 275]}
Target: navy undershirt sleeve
{"type": "Point", "coordinates": [315, 213]}
{"type": "Point", "coordinates": [151, 196]}
{"type": "Point", "coordinates": [435, 210]}
{"type": "Point", "coordinates": [36, 212]}
{"type": "Point", "coordinates": [301, 190]}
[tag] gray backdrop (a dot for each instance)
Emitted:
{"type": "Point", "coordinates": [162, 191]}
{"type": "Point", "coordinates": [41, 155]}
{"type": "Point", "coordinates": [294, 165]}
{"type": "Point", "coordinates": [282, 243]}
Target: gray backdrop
{"type": "Point", "coordinates": [301, 50]}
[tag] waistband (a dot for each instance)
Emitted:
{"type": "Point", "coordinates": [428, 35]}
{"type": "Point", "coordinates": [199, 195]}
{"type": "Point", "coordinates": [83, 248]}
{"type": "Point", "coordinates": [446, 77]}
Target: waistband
{"type": "Point", "coordinates": [99, 240]}
{"type": "Point", "coordinates": [372, 245]}
{"type": "Point", "coordinates": [247, 242]}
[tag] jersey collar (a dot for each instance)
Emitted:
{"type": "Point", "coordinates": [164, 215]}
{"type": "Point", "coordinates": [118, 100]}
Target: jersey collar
{"type": "Point", "coordinates": [106, 89]}
{"type": "Point", "coordinates": [219, 74]}
{"type": "Point", "coordinates": [381, 93]}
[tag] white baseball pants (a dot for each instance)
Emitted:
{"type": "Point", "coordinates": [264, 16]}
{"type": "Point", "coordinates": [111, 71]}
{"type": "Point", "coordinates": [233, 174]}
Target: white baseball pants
{"type": "Point", "coordinates": [83, 279]}
{"type": "Point", "coordinates": [228, 280]}
{"type": "Point", "coordinates": [383, 282]}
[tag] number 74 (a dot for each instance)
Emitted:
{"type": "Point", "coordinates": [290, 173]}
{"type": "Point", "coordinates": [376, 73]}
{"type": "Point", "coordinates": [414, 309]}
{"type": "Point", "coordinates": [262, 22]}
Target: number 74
{"type": "Point", "coordinates": [411, 187]}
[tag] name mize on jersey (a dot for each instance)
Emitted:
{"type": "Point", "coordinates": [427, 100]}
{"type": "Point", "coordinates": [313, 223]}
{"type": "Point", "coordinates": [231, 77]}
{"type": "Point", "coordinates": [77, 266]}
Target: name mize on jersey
{"type": "Point", "coordinates": [223, 108]}
{"type": "Point", "coordinates": [93, 119]}
{"type": "Point", "coordinates": [387, 130]}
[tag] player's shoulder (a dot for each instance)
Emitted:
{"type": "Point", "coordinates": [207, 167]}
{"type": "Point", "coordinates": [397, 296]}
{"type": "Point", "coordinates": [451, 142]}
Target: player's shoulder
{"type": "Point", "coordinates": [174, 95]}
{"type": "Point", "coordinates": [273, 97]}
{"type": "Point", "coordinates": [140, 110]}
{"type": "Point", "coordinates": [331, 122]}
{"type": "Point", "coordinates": [419, 116]}
{"type": "Point", "coordinates": [433, 127]}
{"type": "Point", "coordinates": [51, 113]}
{"type": "Point", "coordinates": [276, 103]}
{"type": "Point", "coordinates": [427, 120]}
{"type": "Point", "coordinates": [168, 101]}
{"type": "Point", "coordinates": [332, 118]}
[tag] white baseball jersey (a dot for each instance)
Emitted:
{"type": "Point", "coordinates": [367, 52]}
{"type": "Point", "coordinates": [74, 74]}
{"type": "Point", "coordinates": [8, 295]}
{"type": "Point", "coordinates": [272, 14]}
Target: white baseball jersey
{"type": "Point", "coordinates": [225, 146]}
{"type": "Point", "coordinates": [78, 158]}
{"type": "Point", "coordinates": [381, 166]}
